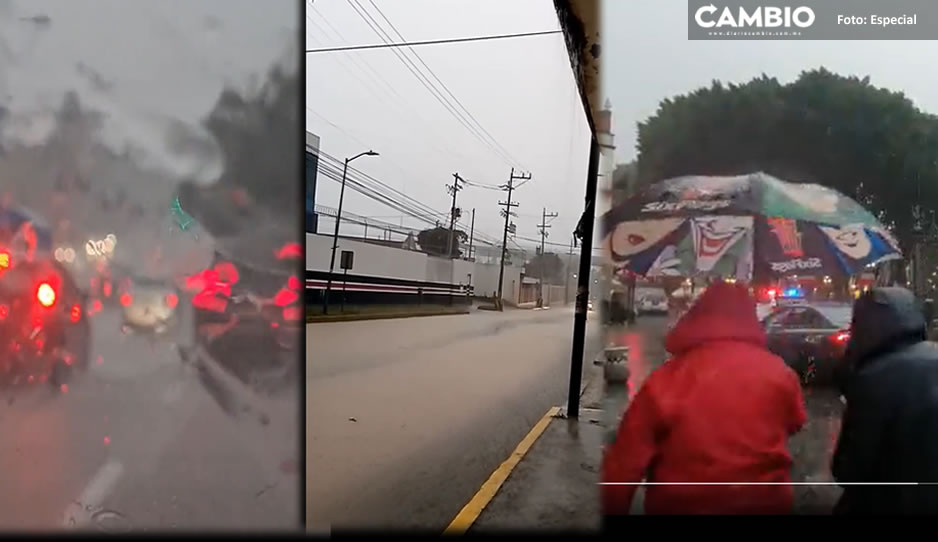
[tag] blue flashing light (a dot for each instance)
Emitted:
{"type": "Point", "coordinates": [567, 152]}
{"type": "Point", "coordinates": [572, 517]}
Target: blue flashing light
{"type": "Point", "coordinates": [793, 292]}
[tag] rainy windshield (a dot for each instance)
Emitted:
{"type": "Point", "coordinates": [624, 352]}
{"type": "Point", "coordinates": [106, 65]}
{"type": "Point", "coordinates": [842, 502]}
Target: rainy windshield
{"type": "Point", "coordinates": [149, 265]}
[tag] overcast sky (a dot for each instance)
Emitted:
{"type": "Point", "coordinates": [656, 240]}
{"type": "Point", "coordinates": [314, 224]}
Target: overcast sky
{"type": "Point", "coordinates": [647, 57]}
{"type": "Point", "coordinates": [521, 91]}
{"type": "Point", "coordinates": [143, 64]}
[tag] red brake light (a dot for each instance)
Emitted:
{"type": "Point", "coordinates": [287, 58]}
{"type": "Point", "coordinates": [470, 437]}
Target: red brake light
{"type": "Point", "coordinates": [126, 300]}
{"type": "Point", "coordinates": [842, 336]}
{"type": "Point", "coordinates": [45, 294]}
{"type": "Point", "coordinates": [771, 293]}
{"type": "Point", "coordinates": [172, 300]}
{"type": "Point", "coordinates": [76, 313]}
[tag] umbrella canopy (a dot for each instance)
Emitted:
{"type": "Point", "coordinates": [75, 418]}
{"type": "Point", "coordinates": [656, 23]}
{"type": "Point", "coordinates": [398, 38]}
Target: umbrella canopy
{"type": "Point", "coordinates": [743, 226]}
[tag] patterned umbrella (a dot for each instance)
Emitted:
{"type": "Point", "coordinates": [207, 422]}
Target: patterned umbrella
{"type": "Point", "coordinates": [744, 226]}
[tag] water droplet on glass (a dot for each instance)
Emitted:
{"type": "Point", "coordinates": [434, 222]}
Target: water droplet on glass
{"type": "Point", "coordinates": [111, 521]}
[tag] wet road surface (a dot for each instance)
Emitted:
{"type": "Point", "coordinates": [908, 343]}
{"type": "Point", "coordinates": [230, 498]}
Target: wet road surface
{"type": "Point", "coordinates": [407, 418]}
{"type": "Point", "coordinates": [138, 443]}
{"type": "Point", "coordinates": [812, 448]}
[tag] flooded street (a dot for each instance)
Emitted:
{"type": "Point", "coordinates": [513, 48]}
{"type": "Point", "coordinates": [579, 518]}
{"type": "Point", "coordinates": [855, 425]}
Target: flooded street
{"type": "Point", "coordinates": [407, 418]}
{"type": "Point", "coordinates": [141, 443]}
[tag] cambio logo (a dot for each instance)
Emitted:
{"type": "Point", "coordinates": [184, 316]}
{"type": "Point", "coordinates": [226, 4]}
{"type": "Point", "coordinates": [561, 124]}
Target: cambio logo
{"type": "Point", "coordinates": [760, 17]}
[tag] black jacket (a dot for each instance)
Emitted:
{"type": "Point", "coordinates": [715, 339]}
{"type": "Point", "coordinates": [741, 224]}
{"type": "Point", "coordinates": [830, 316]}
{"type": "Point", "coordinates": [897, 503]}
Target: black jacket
{"type": "Point", "coordinates": [890, 426]}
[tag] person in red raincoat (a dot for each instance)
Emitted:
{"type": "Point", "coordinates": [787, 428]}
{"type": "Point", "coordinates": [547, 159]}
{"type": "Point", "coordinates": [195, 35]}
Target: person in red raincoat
{"type": "Point", "coordinates": [721, 410]}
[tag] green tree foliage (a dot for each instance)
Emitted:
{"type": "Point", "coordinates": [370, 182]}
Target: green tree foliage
{"type": "Point", "coordinates": [261, 147]}
{"type": "Point", "coordinates": [870, 143]}
{"type": "Point", "coordinates": [625, 181]}
{"type": "Point", "coordinates": [434, 241]}
{"type": "Point", "coordinates": [549, 264]}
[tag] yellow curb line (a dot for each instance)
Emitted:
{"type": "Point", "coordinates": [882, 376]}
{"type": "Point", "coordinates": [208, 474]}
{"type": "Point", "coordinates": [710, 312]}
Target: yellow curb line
{"type": "Point", "coordinates": [471, 512]}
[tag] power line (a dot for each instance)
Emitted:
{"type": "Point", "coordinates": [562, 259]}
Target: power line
{"type": "Point", "coordinates": [370, 187]}
{"type": "Point", "coordinates": [409, 200]}
{"type": "Point", "coordinates": [424, 80]}
{"type": "Point", "coordinates": [442, 84]}
{"type": "Point", "coordinates": [383, 88]}
{"type": "Point", "coordinates": [482, 185]}
{"type": "Point", "coordinates": [416, 208]}
{"type": "Point", "coordinates": [370, 221]}
{"type": "Point", "coordinates": [431, 42]}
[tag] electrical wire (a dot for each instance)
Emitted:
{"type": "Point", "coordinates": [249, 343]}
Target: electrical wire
{"type": "Point", "coordinates": [408, 206]}
{"type": "Point", "coordinates": [357, 219]}
{"type": "Point", "coordinates": [388, 92]}
{"type": "Point", "coordinates": [432, 42]}
{"type": "Point", "coordinates": [425, 81]}
{"type": "Point", "coordinates": [443, 85]}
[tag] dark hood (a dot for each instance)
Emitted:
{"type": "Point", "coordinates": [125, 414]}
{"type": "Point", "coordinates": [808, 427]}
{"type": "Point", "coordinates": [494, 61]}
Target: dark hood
{"type": "Point", "coordinates": [884, 319]}
{"type": "Point", "coordinates": [724, 312]}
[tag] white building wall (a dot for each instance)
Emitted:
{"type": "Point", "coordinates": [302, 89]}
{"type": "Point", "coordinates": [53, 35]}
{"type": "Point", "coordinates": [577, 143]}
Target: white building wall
{"type": "Point", "coordinates": [485, 281]}
{"type": "Point", "coordinates": [371, 260]}
{"type": "Point", "coordinates": [378, 261]}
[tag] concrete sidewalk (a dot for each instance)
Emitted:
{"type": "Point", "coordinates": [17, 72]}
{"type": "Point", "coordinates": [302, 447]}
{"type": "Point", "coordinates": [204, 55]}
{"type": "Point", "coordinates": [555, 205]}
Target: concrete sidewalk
{"type": "Point", "coordinates": [550, 481]}
{"type": "Point", "coordinates": [554, 487]}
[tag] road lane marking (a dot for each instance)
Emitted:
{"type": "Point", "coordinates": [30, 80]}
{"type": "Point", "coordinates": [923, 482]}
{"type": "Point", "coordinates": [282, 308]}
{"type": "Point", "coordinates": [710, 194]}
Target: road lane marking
{"type": "Point", "coordinates": [78, 513]}
{"type": "Point", "coordinates": [471, 512]}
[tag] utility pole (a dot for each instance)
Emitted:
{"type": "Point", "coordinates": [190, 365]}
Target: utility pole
{"type": "Point", "coordinates": [585, 234]}
{"type": "Point", "coordinates": [472, 229]}
{"type": "Point", "coordinates": [542, 227]}
{"type": "Point", "coordinates": [566, 273]}
{"type": "Point", "coordinates": [452, 189]}
{"type": "Point", "coordinates": [507, 212]}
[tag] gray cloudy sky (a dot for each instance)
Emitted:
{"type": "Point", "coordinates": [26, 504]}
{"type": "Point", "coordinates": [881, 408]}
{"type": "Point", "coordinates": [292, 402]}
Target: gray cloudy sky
{"type": "Point", "coordinates": [143, 64]}
{"type": "Point", "coordinates": [521, 91]}
{"type": "Point", "coordinates": [647, 57]}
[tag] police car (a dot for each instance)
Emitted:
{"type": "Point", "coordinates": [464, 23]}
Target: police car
{"type": "Point", "coordinates": [810, 336]}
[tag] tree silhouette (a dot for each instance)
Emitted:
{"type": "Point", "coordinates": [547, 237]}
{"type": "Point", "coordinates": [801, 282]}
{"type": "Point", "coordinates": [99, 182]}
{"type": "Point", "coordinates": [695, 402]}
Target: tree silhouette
{"type": "Point", "coordinates": [434, 241]}
{"type": "Point", "coordinates": [870, 143]}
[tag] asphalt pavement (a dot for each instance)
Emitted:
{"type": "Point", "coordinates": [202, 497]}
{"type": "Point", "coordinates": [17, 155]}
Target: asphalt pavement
{"type": "Point", "coordinates": [142, 443]}
{"type": "Point", "coordinates": [407, 418]}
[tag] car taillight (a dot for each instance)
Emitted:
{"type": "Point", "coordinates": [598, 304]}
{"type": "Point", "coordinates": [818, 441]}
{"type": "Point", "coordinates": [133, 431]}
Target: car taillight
{"type": "Point", "coordinates": [76, 313]}
{"type": "Point", "coordinates": [841, 337]}
{"type": "Point", "coordinates": [45, 293]}
{"type": "Point", "coordinates": [172, 300]}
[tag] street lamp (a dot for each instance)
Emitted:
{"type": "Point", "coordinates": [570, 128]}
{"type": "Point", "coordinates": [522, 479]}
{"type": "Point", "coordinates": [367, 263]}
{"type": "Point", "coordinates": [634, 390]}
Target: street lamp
{"type": "Point", "coordinates": [335, 236]}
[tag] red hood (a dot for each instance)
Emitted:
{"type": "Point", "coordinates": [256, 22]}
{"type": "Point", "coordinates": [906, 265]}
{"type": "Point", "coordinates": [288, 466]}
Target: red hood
{"type": "Point", "coordinates": [725, 312]}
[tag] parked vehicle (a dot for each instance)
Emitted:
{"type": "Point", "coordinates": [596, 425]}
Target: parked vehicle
{"type": "Point", "coordinates": [810, 337]}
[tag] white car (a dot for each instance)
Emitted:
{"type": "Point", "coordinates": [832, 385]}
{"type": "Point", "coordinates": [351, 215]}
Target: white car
{"type": "Point", "coordinates": [149, 305]}
{"type": "Point", "coordinates": [652, 304]}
